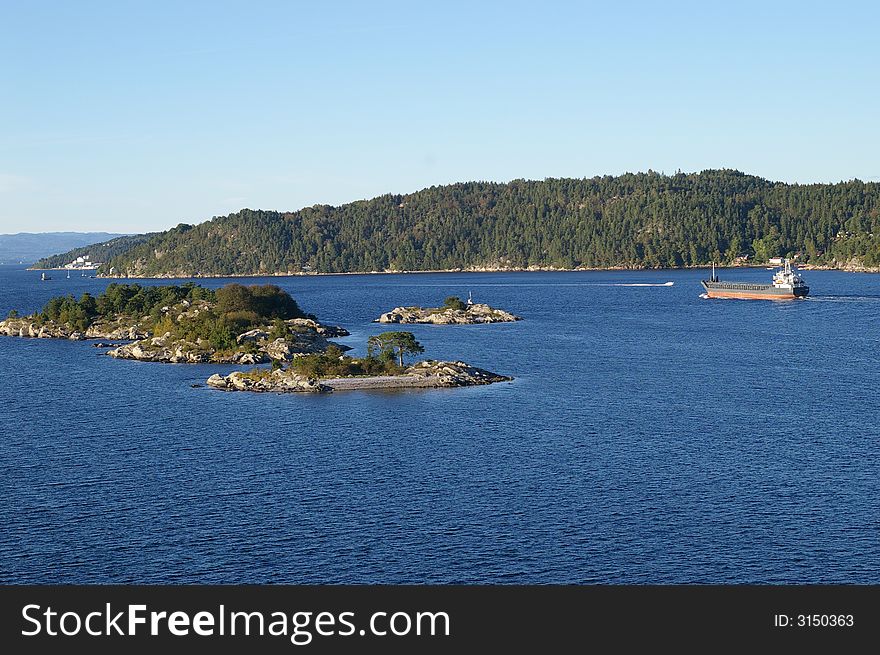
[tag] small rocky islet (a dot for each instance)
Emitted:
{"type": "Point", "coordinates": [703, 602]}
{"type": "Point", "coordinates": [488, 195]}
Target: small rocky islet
{"type": "Point", "coordinates": [453, 312]}
{"type": "Point", "coordinates": [426, 374]}
{"type": "Point", "coordinates": [243, 325]}
{"type": "Point", "coordinates": [188, 324]}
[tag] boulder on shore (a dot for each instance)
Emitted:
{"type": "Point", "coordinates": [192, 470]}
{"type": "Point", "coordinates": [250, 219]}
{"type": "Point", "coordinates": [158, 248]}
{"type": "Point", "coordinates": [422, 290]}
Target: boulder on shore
{"type": "Point", "coordinates": [329, 331]}
{"type": "Point", "coordinates": [35, 329]}
{"type": "Point", "coordinates": [278, 380]}
{"type": "Point", "coordinates": [31, 326]}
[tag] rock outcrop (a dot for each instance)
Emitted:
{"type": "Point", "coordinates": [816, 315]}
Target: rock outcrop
{"type": "Point", "coordinates": [472, 314]}
{"type": "Point", "coordinates": [328, 331]}
{"type": "Point", "coordinates": [422, 375]}
{"type": "Point", "coordinates": [165, 349]}
{"type": "Point", "coordinates": [453, 374]}
{"type": "Point", "coordinates": [115, 331]}
{"type": "Point", "coordinates": [255, 346]}
{"type": "Point", "coordinates": [278, 381]}
{"type": "Point", "coordinates": [32, 327]}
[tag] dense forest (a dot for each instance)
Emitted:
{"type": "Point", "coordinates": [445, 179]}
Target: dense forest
{"type": "Point", "coordinates": [633, 220]}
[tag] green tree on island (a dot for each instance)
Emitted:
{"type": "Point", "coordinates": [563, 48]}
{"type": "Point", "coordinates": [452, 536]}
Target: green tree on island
{"type": "Point", "coordinates": [393, 344]}
{"type": "Point", "coordinates": [454, 302]}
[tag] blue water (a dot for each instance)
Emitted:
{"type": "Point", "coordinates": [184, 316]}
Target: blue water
{"type": "Point", "coordinates": [650, 436]}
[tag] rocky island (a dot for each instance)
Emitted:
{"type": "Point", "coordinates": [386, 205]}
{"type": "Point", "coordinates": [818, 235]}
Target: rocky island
{"type": "Point", "coordinates": [453, 312]}
{"type": "Point", "coordinates": [242, 325]}
{"type": "Point", "coordinates": [421, 375]}
{"type": "Point", "coordinates": [383, 368]}
{"type": "Point", "coordinates": [184, 324]}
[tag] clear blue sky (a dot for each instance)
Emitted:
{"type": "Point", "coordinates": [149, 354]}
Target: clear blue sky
{"type": "Point", "coordinates": [134, 116]}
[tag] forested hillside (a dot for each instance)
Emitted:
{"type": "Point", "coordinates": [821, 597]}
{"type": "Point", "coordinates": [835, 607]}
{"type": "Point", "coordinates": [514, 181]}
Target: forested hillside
{"type": "Point", "coordinates": [633, 220]}
{"type": "Point", "coordinates": [97, 252]}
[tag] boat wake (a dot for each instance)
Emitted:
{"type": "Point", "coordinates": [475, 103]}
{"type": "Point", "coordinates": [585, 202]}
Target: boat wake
{"type": "Point", "coordinates": [551, 284]}
{"type": "Point", "coordinates": [843, 298]}
{"type": "Point", "coordinates": [632, 284]}
{"type": "Point", "coordinates": [704, 296]}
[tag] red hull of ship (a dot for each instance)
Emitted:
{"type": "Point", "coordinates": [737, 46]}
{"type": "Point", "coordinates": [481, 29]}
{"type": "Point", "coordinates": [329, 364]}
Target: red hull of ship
{"type": "Point", "coordinates": [745, 295]}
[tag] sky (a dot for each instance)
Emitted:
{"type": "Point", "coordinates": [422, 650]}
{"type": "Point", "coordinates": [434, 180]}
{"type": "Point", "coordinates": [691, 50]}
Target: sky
{"type": "Point", "coordinates": [136, 116]}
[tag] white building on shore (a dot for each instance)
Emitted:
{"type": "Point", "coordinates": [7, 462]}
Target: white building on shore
{"type": "Point", "coordinates": [83, 264]}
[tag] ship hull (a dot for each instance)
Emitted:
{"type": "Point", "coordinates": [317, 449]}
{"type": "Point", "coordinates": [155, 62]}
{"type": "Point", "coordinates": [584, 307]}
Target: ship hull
{"type": "Point", "coordinates": [752, 291]}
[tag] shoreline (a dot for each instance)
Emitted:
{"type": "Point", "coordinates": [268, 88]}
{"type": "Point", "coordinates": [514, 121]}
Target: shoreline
{"type": "Point", "coordinates": [58, 268]}
{"type": "Point", "coordinates": [529, 269]}
{"type": "Point", "coordinates": [385, 382]}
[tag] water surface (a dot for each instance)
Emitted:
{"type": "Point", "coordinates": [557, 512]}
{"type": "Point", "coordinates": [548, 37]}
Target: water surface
{"type": "Point", "coordinates": [650, 436]}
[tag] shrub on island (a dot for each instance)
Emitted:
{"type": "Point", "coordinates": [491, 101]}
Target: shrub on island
{"type": "Point", "coordinates": [385, 353]}
{"type": "Point", "coordinates": [454, 302]}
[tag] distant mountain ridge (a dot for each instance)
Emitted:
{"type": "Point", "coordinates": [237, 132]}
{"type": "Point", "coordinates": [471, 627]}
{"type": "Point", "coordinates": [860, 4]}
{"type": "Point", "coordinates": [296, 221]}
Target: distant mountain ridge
{"type": "Point", "coordinates": [28, 247]}
{"type": "Point", "coordinates": [640, 220]}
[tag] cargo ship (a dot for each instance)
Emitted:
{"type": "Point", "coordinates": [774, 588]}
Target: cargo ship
{"type": "Point", "coordinates": [787, 285]}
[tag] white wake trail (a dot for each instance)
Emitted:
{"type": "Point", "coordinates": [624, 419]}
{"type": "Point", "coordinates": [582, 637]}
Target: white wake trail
{"type": "Point", "coordinates": [633, 284]}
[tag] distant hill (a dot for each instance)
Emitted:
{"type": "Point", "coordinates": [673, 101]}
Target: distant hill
{"type": "Point", "coordinates": [641, 220]}
{"type": "Point", "coordinates": [28, 247]}
{"type": "Point", "coordinates": [102, 251]}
